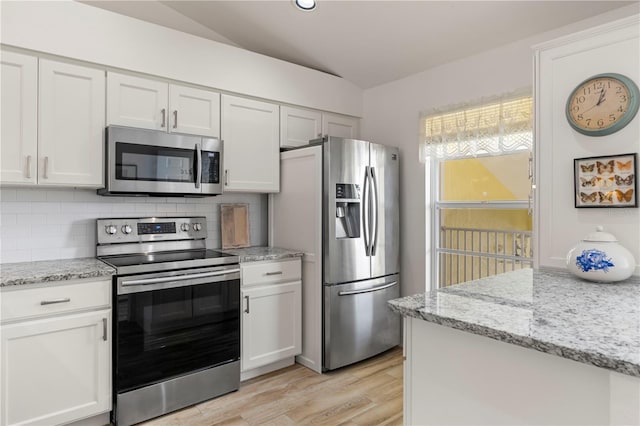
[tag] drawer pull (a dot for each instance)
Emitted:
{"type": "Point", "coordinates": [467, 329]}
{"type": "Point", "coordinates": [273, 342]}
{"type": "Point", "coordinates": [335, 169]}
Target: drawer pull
{"type": "Point", "coordinates": [274, 273]}
{"type": "Point", "coordinates": [54, 301]}
{"type": "Point", "coordinates": [247, 310]}
{"type": "Point", "coordinates": [104, 329]}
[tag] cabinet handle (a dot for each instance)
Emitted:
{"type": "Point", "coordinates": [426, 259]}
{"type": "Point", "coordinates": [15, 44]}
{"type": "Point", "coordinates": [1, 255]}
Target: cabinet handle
{"type": "Point", "coordinates": [274, 273]}
{"type": "Point", "coordinates": [54, 301]}
{"type": "Point", "coordinates": [28, 167]}
{"type": "Point", "coordinates": [164, 118]}
{"type": "Point", "coordinates": [45, 172]}
{"type": "Point", "coordinates": [175, 119]}
{"type": "Point", "coordinates": [104, 329]}
{"type": "Point", "coordinates": [226, 177]}
{"type": "Point", "coordinates": [247, 310]}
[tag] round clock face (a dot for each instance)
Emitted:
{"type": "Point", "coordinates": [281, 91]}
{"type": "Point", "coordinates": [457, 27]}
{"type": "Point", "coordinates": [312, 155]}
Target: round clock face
{"type": "Point", "coordinates": [602, 104]}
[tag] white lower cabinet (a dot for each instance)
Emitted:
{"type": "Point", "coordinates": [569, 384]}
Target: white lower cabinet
{"type": "Point", "coordinates": [56, 364]}
{"type": "Point", "coordinates": [271, 313]}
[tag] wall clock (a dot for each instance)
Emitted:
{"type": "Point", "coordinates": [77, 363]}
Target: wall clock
{"type": "Point", "coordinates": [602, 104]}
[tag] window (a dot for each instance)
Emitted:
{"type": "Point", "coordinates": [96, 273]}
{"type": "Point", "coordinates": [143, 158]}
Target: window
{"type": "Point", "coordinates": [480, 164]}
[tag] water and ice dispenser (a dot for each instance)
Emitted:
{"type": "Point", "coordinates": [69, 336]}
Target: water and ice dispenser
{"type": "Point", "coordinates": [347, 210]}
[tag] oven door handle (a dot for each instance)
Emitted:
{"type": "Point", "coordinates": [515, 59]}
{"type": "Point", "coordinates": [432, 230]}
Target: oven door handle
{"type": "Point", "coordinates": [147, 281]}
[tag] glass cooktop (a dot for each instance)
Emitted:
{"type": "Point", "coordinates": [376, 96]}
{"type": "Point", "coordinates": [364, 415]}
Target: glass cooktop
{"type": "Point", "coordinates": [167, 260]}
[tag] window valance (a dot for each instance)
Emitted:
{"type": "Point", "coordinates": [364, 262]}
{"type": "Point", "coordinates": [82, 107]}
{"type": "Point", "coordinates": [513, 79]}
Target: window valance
{"type": "Point", "coordinates": [490, 126]}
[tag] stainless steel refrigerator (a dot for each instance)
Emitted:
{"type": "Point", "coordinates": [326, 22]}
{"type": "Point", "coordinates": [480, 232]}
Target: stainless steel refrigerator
{"type": "Point", "coordinates": [338, 204]}
{"type": "Point", "coordinates": [360, 203]}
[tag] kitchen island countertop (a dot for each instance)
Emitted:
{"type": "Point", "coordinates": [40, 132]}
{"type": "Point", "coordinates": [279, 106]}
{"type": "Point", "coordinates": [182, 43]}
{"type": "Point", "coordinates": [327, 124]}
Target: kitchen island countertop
{"type": "Point", "coordinates": [255, 254]}
{"type": "Point", "coordinates": [23, 273]}
{"type": "Point", "coordinates": [549, 311]}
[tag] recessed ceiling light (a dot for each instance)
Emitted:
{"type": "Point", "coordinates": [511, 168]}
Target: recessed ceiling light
{"type": "Point", "coordinates": [305, 4]}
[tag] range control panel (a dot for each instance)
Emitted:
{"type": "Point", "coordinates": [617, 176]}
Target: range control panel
{"type": "Point", "coordinates": [134, 230]}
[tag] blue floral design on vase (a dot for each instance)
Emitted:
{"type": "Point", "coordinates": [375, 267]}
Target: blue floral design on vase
{"type": "Point", "coordinates": [594, 260]}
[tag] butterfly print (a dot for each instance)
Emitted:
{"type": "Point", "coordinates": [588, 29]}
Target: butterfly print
{"type": "Point", "coordinates": [624, 180]}
{"type": "Point", "coordinates": [605, 167]}
{"type": "Point", "coordinates": [589, 198]}
{"type": "Point", "coordinates": [604, 182]}
{"type": "Point", "coordinates": [588, 182]}
{"type": "Point", "coordinates": [624, 196]}
{"type": "Point", "coordinates": [606, 197]}
{"type": "Point", "coordinates": [624, 166]}
{"type": "Point", "coordinates": [587, 167]}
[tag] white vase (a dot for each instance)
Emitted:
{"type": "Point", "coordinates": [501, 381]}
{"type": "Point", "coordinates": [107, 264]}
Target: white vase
{"type": "Point", "coordinates": [599, 257]}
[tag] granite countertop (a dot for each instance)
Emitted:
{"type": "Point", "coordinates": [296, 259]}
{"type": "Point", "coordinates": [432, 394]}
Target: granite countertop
{"type": "Point", "coordinates": [254, 254]}
{"type": "Point", "coordinates": [549, 311]}
{"type": "Point", "coordinates": [17, 274]}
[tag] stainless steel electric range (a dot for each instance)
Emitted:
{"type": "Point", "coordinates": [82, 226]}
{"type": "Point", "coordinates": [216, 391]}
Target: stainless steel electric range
{"type": "Point", "coordinates": [176, 315]}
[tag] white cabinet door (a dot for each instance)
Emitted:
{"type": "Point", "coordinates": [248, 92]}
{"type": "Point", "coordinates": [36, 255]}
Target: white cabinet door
{"type": "Point", "coordinates": [340, 126]}
{"type": "Point", "coordinates": [19, 118]}
{"type": "Point", "coordinates": [299, 126]}
{"type": "Point", "coordinates": [71, 128]}
{"type": "Point", "coordinates": [137, 102]}
{"type": "Point", "coordinates": [271, 328]}
{"type": "Point", "coordinates": [56, 370]}
{"type": "Point", "coordinates": [194, 111]}
{"type": "Point", "coordinates": [250, 131]}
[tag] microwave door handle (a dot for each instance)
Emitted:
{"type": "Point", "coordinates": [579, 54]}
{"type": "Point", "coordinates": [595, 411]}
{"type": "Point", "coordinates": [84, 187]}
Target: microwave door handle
{"type": "Point", "coordinates": [198, 165]}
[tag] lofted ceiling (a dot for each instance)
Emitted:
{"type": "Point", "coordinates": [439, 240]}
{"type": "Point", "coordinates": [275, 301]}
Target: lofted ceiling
{"type": "Point", "coordinates": [366, 42]}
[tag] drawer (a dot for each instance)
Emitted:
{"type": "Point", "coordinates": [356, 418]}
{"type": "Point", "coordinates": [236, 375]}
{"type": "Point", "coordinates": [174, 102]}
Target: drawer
{"type": "Point", "coordinates": [271, 271]}
{"type": "Point", "coordinates": [54, 299]}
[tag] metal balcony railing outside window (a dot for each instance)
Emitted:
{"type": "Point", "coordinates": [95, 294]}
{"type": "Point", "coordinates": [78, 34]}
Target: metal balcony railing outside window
{"type": "Point", "coordinates": [466, 254]}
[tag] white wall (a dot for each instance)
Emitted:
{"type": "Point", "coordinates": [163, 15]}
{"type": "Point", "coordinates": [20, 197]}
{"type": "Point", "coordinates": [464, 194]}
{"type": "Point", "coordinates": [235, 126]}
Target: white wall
{"type": "Point", "coordinates": [90, 34]}
{"type": "Point", "coordinates": [391, 115]}
{"type": "Point", "coordinates": [46, 224]}
{"type": "Point", "coordinates": [563, 64]}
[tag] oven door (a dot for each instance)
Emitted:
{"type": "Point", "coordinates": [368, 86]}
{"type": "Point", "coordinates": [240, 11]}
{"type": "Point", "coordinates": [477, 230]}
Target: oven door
{"type": "Point", "coordinates": [173, 323]}
{"type": "Point", "coordinates": [147, 162]}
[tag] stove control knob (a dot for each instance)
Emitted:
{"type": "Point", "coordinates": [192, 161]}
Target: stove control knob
{"type": "Point", "coordinates": [197, 226]}
{"type": "Point", "coordinates": [185, 227]}
{"type": "Point", "coordinates": [111, 229]}
{"type": "Point", "coordinates": [126, 229]}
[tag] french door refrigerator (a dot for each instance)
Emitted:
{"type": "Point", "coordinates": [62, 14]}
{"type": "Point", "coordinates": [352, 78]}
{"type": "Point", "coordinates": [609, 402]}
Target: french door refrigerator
{"type": "Point", "coordinates": [338, 205]}
{"type": "Point", "coordinates": [360, 203]}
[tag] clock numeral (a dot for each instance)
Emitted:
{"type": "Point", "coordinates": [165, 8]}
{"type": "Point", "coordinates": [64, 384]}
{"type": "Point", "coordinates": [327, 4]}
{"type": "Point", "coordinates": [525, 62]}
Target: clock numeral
{"type": "Point", "coordinates": [587, 90]}
{"type": "Point", "coordinates": [588, 122]}
{"type": "Point", "coordinates": [612, 117]}
{"type": "Point", "coordinates": [580, 99]}
{"type": "Point", "coordinates": [618, 90]}
{"type": "Point", "coordinates": [580, 117]}
{"type": "Point", "coordinates": [620, 109]}
{"type": "Point", "coordinates": [623, 98]}
{"type": "Point", "coordinates": [600, 122]}
{"type": "Point", "coordinates": [575, 108]}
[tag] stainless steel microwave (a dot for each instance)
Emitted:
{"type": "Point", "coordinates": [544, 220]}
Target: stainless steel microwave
{"type": "Point", "coordinates": [150, 162]}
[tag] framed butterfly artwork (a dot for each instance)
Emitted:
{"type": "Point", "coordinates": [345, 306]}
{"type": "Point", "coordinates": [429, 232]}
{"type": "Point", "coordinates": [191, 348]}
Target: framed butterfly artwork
{"type": "Point", "coordinates": [609, 181]}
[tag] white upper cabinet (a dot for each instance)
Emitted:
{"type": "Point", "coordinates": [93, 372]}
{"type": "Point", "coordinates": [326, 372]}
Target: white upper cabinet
{"type": "Point", "coordinates": [194, 111]}
{"type": "Point", "coordinates": [340, 126]}
{"type": "Point", "coordinates": [71, 124]}
{"type": "Point", "coordinates": [157, 105]}
{"type": "Point", "coordinates": [137, 102]}
{"type": "Point", "coordinates": [19, 141]}
{"type": "Point", "coordinates": [251, 135]}
{"type": "Point", "coordinates": [299, 126]}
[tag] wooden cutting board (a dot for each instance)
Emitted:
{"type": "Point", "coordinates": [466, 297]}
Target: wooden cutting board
{"type": "Point", "coordinates": [234, 223]}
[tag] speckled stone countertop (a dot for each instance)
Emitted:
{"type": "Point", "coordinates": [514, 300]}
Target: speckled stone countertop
{"type": "Point", "coordinates": [17, 274]}
{"type": "Point", "coordinates": [549, 311]}
{"type": "Point", "coordinates": [254, 254]}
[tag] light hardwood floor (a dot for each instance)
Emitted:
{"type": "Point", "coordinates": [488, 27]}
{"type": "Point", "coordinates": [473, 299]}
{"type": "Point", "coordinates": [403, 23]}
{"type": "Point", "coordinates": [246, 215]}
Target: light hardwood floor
{"type": "Point", "coordinates": [367, 393]}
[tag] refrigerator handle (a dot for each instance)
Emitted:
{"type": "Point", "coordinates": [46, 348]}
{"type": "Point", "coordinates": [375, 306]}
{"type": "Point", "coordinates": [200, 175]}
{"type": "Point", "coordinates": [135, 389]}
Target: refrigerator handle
{"type": "Point", "coordinates": [376, 206]}
{"type": "Point", "coordinates": [365, 210]}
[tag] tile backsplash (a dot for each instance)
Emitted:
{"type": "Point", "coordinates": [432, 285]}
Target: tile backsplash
{"type": "Point", "coordinates": [46, 224]}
